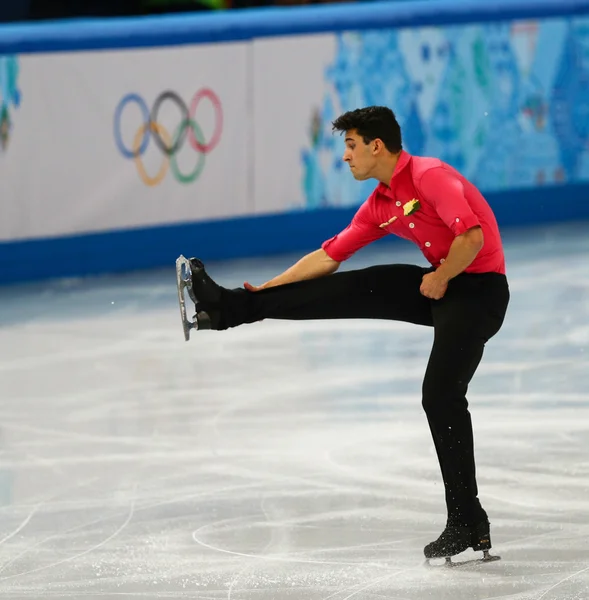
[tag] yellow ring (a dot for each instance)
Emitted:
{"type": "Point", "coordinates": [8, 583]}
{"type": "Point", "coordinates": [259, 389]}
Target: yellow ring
{"type": "Point", "coordinates": [159, 176]}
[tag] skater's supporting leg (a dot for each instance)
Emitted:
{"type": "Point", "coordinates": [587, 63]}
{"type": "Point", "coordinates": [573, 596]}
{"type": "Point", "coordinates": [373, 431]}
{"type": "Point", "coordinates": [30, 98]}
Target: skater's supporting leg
{"type": "Point", "coordinates": [471, 313]}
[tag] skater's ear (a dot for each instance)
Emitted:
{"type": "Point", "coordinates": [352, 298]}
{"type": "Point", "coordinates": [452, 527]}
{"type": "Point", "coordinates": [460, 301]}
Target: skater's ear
{"type": "Point", "coordinates": [378, 147]}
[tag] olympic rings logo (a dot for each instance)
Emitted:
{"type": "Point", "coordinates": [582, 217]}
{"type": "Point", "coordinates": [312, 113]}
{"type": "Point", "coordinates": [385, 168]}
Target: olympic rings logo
{"type": "Point", "coordinates": [187, 129]}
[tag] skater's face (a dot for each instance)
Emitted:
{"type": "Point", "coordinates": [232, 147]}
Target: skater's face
{"type": "Point", "coordinates": [362, 158]}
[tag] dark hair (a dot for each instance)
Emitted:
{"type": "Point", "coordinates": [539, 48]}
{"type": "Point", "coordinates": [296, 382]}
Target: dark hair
{"type": "Point", "coordinates": [372, 122]}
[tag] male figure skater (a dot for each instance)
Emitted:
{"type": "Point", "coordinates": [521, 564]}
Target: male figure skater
{"type": "Point", "coordinates": [463, 295]}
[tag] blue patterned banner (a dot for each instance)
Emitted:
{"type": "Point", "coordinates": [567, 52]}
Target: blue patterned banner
{"type": "Point", "coordinates": [507, 104]}
{"type": "Point", "coordinates": [9, 97]}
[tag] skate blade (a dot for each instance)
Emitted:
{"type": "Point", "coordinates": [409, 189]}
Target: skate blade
{"type": "Point", "coordinates": [184, 282]}
{"type": "Point", "coordinates": [450, 564]}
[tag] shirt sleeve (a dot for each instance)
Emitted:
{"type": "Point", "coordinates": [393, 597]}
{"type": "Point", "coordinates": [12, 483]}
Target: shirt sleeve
{"type": "Point", "coordinates": [445, 192]}
{"type": "Point", "coordinates": [359, 233]}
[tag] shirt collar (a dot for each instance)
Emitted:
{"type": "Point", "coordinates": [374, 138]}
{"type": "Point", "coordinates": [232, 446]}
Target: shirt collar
{"type": "Point", "coordinates": [402, 162]}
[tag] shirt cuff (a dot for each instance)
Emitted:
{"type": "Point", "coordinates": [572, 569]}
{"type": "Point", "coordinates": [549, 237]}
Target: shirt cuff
{"type": "Point", "coordinates": [462, 224]}
{"type": "Point", "coordinates": [331, 251]}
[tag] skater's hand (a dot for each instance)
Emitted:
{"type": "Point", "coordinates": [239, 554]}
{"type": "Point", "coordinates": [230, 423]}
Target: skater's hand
{"type": "Point", "coordinates": [433, 286]}
{"type": "Point", "coordinates": [253, 288]}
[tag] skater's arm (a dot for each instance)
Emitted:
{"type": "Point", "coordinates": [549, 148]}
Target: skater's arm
{"type": "Point", "coordinates": [462, 252]}
{"type": "Point", "coordinates": [445, 192]}
{"type": "Point", "coordinates": [313, 265]}
{"type": "Point", "coordinates": [360, 232]}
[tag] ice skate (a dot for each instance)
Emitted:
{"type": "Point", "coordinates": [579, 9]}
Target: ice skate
{"type": "Point", "coordinates": [192, 278]}
{"type": "Point", "coordinates": [455, 540]}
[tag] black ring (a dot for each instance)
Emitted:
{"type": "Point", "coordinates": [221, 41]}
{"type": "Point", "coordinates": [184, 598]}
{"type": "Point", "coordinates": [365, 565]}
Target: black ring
{"type": "Point", "coordinates": [153, 118]}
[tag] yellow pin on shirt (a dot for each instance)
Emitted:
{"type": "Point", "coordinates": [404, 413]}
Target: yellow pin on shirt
{"type": "Point", "coordinates": [383, 225]}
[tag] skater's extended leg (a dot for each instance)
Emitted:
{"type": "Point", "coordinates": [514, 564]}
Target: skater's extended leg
{"type": "Point", "coordinates": [381, 292]}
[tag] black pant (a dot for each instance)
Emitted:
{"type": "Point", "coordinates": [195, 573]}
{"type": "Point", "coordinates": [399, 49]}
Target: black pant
{"type": "Point", "coordinates": [469, 314]}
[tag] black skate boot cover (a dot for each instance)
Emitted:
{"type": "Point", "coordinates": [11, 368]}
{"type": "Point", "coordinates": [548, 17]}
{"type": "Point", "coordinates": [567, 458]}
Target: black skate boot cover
{"type": "Point", "coordinates": [452, 541]}
{"type": "Point", "coordinates": [205, 290]}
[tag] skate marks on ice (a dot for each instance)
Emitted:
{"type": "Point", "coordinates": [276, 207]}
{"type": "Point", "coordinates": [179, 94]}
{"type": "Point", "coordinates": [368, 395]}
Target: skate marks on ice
{"type": "Point", "coordinates": [281, 460]}
{"type": "Point", "coordinates": [371, 455]}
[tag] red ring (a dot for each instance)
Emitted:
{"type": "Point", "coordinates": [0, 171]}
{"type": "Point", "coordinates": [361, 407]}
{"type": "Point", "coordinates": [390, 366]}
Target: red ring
{"type": "Point", "coordinates": [205, 92]}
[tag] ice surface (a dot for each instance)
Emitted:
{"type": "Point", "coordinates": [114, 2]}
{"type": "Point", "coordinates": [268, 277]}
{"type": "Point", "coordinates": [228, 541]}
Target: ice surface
{"type": "Point", "coordinates": [284, 460]}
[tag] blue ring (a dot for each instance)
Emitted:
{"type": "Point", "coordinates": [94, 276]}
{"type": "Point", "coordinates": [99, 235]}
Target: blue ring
{"type": "Point", "coordinates": [117, 125]}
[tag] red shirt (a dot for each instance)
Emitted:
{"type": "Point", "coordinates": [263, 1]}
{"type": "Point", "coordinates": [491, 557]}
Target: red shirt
{"type": "Point", "coordinates": [449, 205]}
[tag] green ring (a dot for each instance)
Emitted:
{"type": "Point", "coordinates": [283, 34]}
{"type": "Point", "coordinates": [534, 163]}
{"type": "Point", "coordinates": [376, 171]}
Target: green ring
{"type": "Point", "coordinates": [188, 177]}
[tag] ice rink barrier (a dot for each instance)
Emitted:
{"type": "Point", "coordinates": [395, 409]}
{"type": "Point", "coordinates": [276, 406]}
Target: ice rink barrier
{"type": "Point", "coordinates": [258, 227]}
